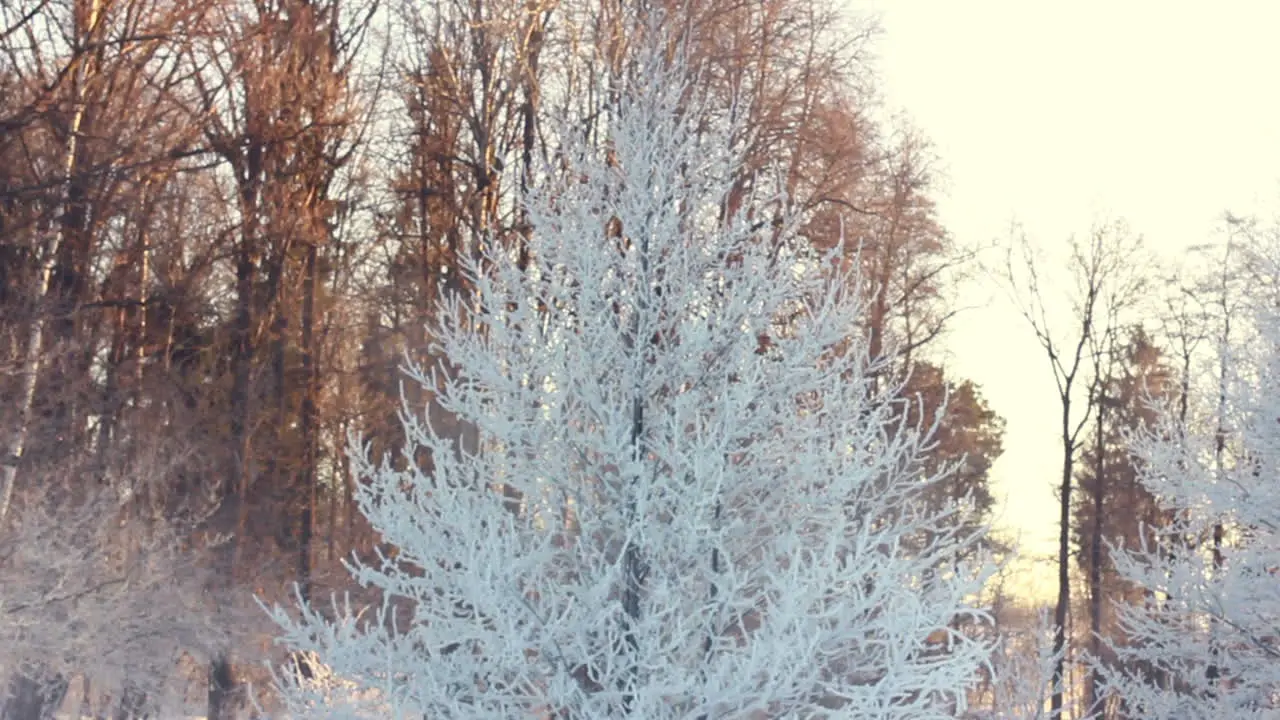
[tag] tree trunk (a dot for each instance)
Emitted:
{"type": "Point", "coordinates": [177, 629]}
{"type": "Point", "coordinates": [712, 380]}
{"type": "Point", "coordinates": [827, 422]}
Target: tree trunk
{"type": "Point", "coordinates": [307, 473]}
{"type": "Point", "coordinates": [111, 399]}
{"type": "Point", "coordinates": [1212, 673]}
{"type": "Point", "coordinates": [222, 689]}
{"type": "Point", "coordinates": [222, 682]}
{"type": "Point", "coordinates": [1064, 560]}
{"type": "Point", "coordinates": [633, 571]}
{"type": "Point", "coordinates": [1095, 560]}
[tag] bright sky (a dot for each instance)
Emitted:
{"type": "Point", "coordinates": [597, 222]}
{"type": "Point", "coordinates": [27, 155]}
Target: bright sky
{"type": "Point", "coordinates": [1060, 114]}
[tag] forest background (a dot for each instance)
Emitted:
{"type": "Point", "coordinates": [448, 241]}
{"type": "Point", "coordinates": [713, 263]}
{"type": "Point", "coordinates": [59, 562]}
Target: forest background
{"type": "Point", "coordinates": [221, 225]}
{"type": "Point", "coordinates": [1056, 120]}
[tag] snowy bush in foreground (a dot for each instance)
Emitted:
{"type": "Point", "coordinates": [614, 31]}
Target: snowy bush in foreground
{"type": "Point", "coordinates": [688, 496]}
{"type": "Point", "coordinates": [1023, 673]}
{"type": "Point", "coordinates": [82, 593]}
{"type": "Point", "coordinates": [1207, 643]}
{"type": "Point", "coordinates": [314, 689]}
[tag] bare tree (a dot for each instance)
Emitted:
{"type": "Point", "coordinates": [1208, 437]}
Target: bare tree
{"type": "Point", "coordinates": [89, 129]}
{"type": "Point", "coordinates": [1103, 284]}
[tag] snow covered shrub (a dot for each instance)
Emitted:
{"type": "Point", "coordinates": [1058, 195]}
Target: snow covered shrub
{"type": "Point", "coordinates": [83, 593]}
{"type": "Point", "coordinates": [690, 493]}
{"type": "Point", "coordinates": [1023, 672]}
{"type": "Point", "coordinates": [312, 688]}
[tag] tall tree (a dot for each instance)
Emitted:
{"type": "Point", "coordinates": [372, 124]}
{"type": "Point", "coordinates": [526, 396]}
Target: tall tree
{"type": "Point", "coordinates": [1113, 507]}
{"type": "Point", "coordinates": [671, 557]}
{"type": "Point", "coordinates": [1103, 282]}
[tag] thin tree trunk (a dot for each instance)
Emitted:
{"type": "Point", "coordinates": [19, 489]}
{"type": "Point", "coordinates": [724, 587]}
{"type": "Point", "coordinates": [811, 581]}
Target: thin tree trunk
{"type": "Point", "coordinates": [1064, 559]}
{"type": "Point", "coordinates": [111, 400]}
{"type": "Point", "coordinates": [712, 596]}
{"type": "Point", "coordinates": [1213, 672]}
{"type": "Point", "coordinates": [633, 570]}
{"type": "Point", "coordinates": [1095, 558]}
{"type": "Point", "coordinates": [307, 473]}
{"type": "Point", "coordinates": [279, 467]}
{"type": "Point", "coordinates": [222, 681]}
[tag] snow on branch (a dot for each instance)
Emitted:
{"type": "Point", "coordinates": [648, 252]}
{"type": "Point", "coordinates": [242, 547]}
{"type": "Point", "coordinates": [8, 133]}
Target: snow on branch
{"type": "Point", "coordinates": [689, 496]}
{"type": "Point", "coordinates": [1205, 644]}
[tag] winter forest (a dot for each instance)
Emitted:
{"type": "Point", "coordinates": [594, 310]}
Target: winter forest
{"type": "Point", "coordinates": [583, 359]}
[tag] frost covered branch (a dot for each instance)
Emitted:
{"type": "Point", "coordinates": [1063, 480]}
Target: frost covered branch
{"type": "Point", "coordinates": [689, 494]}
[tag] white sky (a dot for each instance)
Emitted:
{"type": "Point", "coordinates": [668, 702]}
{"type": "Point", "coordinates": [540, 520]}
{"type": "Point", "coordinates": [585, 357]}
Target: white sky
{"type": "Point", "coordinates": [1058, 115]}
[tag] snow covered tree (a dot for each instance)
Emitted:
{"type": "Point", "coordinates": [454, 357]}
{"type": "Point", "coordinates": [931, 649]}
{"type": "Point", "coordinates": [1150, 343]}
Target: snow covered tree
{"type": "Point", "coordinates": [1206, 643]}
{"type": "Point", "coordinates": [1021, 670]}
{"type": "Point", "coordinates": [85, 593]}
{"type": "Point", "coordinates": [684, 495]}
